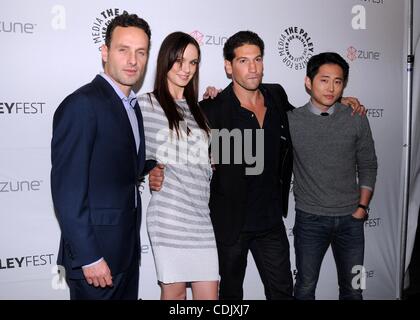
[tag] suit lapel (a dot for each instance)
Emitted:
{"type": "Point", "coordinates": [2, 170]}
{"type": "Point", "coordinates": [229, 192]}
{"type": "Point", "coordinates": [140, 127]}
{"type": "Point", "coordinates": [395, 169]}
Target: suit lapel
{"type": "Point", "coordinates": [118, 109]}
{"type": "Point", "coordinates": [141, 152]}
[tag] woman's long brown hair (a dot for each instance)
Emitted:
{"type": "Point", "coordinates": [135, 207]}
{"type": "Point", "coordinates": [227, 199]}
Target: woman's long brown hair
{"type": "Point", "coordinates": [171, 50]}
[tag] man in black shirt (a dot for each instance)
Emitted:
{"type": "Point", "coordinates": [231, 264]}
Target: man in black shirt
{"type": "Point", "coordinates": [247, 209]}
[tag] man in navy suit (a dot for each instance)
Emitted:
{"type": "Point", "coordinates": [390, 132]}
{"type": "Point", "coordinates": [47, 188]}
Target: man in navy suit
{"type": "Point", "coordinates": [98, 159]}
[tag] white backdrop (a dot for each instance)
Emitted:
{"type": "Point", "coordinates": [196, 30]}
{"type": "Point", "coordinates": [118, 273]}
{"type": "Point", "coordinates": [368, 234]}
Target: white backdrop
{"type": "Point", "coordinates": [51, 48]}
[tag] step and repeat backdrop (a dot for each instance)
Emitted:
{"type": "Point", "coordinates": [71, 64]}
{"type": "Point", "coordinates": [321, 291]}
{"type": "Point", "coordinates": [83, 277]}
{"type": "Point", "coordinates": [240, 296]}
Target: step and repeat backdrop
{"type": "Point", "coordinates": [50, 48]}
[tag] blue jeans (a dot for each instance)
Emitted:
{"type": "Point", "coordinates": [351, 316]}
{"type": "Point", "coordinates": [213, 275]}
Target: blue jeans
{"type": "Point", "coordinates": [313, 234]}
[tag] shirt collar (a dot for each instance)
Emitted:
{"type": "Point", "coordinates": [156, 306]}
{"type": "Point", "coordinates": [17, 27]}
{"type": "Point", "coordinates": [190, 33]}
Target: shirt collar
{"type": "Point", "coordinates": [318, 112]}
{"type": "Point", "coordinates": [131, 99]}
{"type": "Point", "coordinates": [263, 90]}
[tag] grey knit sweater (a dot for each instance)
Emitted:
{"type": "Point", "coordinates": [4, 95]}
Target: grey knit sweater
{"type": "Point", "coordinates": [333, 157]}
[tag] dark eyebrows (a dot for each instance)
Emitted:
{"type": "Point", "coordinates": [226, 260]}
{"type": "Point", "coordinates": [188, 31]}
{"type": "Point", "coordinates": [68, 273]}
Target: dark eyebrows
{"type": "Point", "coordinates": [326, 76]}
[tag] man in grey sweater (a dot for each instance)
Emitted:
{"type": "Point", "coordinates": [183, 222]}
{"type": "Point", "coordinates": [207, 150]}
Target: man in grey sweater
{"type": "Point", "coordinates": [334, 170]}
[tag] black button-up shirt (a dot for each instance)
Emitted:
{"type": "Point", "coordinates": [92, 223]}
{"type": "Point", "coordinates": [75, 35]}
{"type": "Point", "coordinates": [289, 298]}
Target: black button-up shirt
{"type": "Point", "coordinates": [263, 191]}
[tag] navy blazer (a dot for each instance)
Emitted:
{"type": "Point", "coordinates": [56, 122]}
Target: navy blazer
{"type": "Point", "coordinates": [95, 170]}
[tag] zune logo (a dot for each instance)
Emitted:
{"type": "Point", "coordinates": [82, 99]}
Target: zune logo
{"type": "Point", "coordinates": [101, 23]}
{"type": "Point", "coordinates": [355, 54]}
{"type": "Point", "coordinates": [198, 36]}
{"type": "Point", "coordinates": [17, 27]}
{"type": "Point", "coordinates": [209, 40]}
{"type": "Point", "coordinates": [20, 186]}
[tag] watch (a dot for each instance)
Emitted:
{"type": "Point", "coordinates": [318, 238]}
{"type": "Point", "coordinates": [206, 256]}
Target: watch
{"type": "Point", "coordinates": [366, 208]}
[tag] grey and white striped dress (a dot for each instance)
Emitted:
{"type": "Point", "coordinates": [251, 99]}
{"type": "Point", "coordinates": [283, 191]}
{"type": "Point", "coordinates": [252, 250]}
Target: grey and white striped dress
{"type": "Point", "coordinates": [178, 216]}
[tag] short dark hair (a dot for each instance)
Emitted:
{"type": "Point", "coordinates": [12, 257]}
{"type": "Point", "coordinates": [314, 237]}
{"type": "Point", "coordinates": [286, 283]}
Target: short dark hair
{"type": "Point", "coordinates": [126, 20]}
{"type": "Point", "coordinates": [238, 40]}
{"type": "Point", "coordinates": [315, 62]}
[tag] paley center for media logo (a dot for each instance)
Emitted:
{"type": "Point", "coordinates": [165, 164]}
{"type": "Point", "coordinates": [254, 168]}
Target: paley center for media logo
{"type": "Point", "coordinates": [208, 40]}
{"type": "Point", "coordinates": [295, 47]}
{"type": "Point", "coordinates": [354, 54]}
{"type": "Point", "coordinates": [101, 23]}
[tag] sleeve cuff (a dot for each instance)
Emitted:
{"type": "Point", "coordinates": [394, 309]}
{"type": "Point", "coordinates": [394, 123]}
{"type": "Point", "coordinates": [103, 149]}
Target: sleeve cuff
{"type": "Point", "coordinates": [93, 263]}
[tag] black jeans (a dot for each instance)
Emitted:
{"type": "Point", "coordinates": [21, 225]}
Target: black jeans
{"type": "Point", "coordinates": [270, 250]}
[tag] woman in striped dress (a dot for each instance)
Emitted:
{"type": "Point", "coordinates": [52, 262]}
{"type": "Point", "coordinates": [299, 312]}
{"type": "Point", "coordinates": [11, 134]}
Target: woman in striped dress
{"type": "Point", "coordinates": [177, 135]}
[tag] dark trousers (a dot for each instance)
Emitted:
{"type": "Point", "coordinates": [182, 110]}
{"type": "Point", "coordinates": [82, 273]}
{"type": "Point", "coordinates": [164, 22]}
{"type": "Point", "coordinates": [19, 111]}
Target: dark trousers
{"type": "Point", "coordinates": [313, 235]}
{"type": "Point", "coordinates": [125, 287]}
{"type": "Point", "coordinates": [271, 254]}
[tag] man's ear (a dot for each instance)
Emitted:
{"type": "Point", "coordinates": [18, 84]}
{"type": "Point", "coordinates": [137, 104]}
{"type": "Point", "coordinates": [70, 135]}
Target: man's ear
{"type": "Point", "coordinates": [308, 83]}
{"type": "Point", "coordinates": [104, 53]}
{"type": "Point", "coordinates": [228, 67]}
